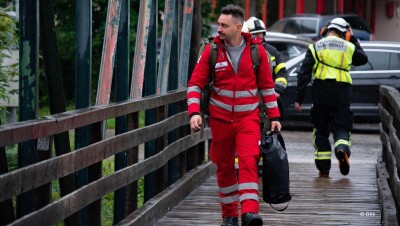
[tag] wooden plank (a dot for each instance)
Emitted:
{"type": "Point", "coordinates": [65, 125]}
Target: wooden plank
{"type": "Point", "coordinates": [336, 200]}
{"type": "Point", "coordinates": [392, 96]}
{"type": "Point", "coordinates": [393, 172]}
{"type": "Point", "coordinates": [390, 129]}
{"type": "Point", "coordinates": [30, 177]}
{"type": "Point", "coordinates": [158, 206]}
{"type": "Point", "coordinates": [68, 204]}
{"type": "Point", "coordinates": [54, 124]}
{"type": "Point", "coordinates": [388, 206]}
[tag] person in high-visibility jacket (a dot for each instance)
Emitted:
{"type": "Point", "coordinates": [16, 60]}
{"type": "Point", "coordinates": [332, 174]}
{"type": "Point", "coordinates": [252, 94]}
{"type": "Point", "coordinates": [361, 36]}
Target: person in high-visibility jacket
{"type": "Point", "coordinates": [328, 62]}
{"type": "Point", "coordinates": [257, 28]}
{"type": "Point", "coordinates": [234, 114]}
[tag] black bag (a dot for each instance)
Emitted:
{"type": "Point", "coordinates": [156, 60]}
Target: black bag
{"type": "Point", "coordinates": [275, 170]}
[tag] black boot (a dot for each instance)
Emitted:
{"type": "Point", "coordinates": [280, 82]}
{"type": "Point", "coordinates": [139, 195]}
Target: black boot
{"type": "Point", "coordinates": [251, 219]}
{"type": "Point", "coordinates": [230, 221]}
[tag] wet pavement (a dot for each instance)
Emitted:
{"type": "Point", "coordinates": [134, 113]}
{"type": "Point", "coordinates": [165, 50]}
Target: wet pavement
{"type": "Point", "coordinates": [364, 146]}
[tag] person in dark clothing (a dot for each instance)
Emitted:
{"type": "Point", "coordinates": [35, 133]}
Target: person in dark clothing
{"type": "Point", "coordinates": [257, 28]}
{"type": "Point", "coordinates": [327, 63]}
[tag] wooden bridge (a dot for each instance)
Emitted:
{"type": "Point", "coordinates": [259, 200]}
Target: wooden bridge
{"type": "Point", "coordinates": [368, 196]}
{"type": "Point", "coordinates": [162, 174]}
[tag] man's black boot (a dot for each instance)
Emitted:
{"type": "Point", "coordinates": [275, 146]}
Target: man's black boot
{"type": "Point", "coordinates": [251, 219]}
{"type": "Point", "coordinates": [230, 221]}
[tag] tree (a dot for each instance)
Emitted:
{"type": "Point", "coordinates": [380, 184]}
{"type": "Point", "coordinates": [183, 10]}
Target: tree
{"type": "Point", "coordinates": [8, 40]}
{"type": "Point", "coordinates": [65, 20]}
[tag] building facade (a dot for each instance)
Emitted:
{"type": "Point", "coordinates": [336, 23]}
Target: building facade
{"type": "Point", "coordinates": [383, 16]}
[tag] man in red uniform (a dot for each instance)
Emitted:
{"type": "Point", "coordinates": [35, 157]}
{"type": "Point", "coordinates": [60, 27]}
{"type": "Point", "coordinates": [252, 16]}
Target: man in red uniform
{"type": "Point", "coordinates": [234, 114]}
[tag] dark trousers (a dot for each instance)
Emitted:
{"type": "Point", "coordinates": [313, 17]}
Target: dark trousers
{"type": "Point", "coordinates": [327, 119]}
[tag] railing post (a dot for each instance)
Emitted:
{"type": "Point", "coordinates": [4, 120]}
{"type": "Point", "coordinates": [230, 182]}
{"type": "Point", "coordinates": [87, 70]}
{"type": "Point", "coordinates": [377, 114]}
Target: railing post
{"type": "Point", "coordinates": [195, 155]}
{"type": "Point", "coordinates": [56, 95]}
{"type": "Point", "coordinates": [28, 96]}
{"type": "Point", "coordinates": [183, 69]}
{"type": "Point", "coordinates": [121, 91]}
{"type": "Point", "coordinates": [83, 71]}
{"type": "Point", "coordinates": [150, 89]}
{"type": "Point", "coordinates": [103, 94]}
{"type": "Point", "coordinates": [146, 46]}
{"type": "Point", "coordinates": [167, 62]}
{"type": "Point", "coordinates": [172, 85]}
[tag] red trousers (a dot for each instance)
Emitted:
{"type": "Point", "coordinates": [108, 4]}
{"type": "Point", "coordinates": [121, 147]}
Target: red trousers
{"type": "Point", "coordinates": [243, 137]}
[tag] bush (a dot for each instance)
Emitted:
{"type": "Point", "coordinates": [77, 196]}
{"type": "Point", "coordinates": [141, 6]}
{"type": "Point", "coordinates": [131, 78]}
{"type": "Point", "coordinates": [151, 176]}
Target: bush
{"type": "Point", "coordinates": [8, 40]}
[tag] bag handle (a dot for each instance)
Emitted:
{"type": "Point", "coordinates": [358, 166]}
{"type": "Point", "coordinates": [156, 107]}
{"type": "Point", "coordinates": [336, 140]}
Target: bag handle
{"type": "Point", "coordinates": [279, 137]}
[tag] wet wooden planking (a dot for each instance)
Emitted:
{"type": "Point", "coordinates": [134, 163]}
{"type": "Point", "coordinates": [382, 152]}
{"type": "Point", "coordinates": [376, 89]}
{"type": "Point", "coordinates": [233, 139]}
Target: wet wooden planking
{"type": "Point", "coordinates": [338, 200]}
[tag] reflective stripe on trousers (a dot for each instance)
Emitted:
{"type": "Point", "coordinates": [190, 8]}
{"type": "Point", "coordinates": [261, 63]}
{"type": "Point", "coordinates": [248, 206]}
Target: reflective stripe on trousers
{"type": "Point", "coordinates": [241, 136]}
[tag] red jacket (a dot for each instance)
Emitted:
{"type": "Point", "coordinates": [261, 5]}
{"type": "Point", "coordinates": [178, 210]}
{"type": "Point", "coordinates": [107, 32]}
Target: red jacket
{"type": "Point", "coordinates": [234, 95]}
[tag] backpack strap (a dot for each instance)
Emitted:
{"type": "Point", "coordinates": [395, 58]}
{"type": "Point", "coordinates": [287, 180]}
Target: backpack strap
{"type": "Point", "coordinates": [213, 60]}
{"type": "Point", "coordinates": [255, 56]}
{"type": "Point", "coordinates": [205, 99]}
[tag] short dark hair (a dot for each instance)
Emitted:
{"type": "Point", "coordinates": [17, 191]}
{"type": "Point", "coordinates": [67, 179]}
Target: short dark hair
{"type": "Point", "coordinates": [234, 10]}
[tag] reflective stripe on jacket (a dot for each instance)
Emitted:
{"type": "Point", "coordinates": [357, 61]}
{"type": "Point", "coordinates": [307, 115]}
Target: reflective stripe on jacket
{"type": "Point", "coordinates": [278, 65]}
{"type": "Point", "coordinates": [234, 94]}
{"type": "Point", "coordinates": [333, 57]}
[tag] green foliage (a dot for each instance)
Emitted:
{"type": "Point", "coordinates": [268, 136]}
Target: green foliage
{"type": "Point", "coordinates": [8, 40]}
{"type": "Point", "coordinates": [107, 200]}
{"type": "Point", "coordinates": [12, 157]}
{"type": "Point", "coordinates": [65, 20]}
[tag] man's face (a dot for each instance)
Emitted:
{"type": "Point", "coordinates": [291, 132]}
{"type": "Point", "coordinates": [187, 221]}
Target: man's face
{"type": "Point", "coordinates": [228, 27]}
{"type": "Point", "coordinates": [258, 35]}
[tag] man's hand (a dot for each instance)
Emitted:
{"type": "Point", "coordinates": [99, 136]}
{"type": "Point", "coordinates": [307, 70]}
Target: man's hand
{"type": "Point", "coordinates": [297, 106]}
{"type": "Point", "coordinates": [195, 122]}
{"type": "Point", "coordinates": [350, 30]}
{"type": "Point", "coordinates": [277, 95]}
{"type": "Point", "coordinates": [276, 125]}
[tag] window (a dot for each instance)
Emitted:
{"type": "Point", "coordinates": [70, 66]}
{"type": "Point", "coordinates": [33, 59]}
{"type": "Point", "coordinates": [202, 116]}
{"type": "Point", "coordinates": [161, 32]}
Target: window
{"type": "Point", "coordinates": [377, 60]}
{"type": "Point", "coordinates": [296, 26]}
{"type": "Point", "coordinates": [278, 26]}
{"type": "Point", "coordinates": [309, 26]}
{"type": "Point", "coordinates": [394, 61]}
{"type": "Point", "coordinates": [288, 50]}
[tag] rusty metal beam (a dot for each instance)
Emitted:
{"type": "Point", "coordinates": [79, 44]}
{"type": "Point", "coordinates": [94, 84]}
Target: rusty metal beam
{"type": "Point", "coordinates": [165, 55]}
{"type": "Point", "coordinates": [185, 43]}
{"type": "Point", "coordinates": [97, 132]}
{"type": "Point", "coordinates": [108, 55]}
{"type": "Point", "coordinates": [142, 37]}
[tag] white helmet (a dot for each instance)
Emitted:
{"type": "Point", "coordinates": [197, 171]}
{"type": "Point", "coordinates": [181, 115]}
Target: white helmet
{"type": "Point", "coordinates": [256, 25]}
{"type": "Point", "coordinates": [245, 28]}
{"type": "Point", "coordinates": [339, 24]}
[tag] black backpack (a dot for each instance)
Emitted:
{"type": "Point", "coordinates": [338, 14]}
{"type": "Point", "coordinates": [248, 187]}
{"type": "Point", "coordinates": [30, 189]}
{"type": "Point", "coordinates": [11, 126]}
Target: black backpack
{"type": "Point", "coordinates": [205, 95]}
